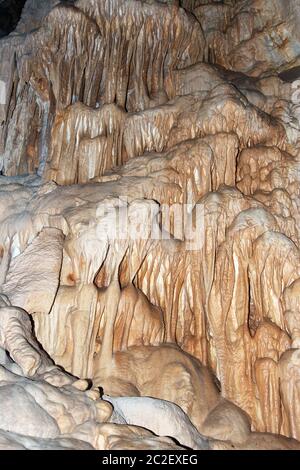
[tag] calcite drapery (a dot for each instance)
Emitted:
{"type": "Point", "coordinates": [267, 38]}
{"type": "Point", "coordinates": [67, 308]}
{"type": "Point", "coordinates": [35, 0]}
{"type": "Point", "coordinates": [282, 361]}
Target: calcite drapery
{"type": "Point", "coordinates": [115, 113]}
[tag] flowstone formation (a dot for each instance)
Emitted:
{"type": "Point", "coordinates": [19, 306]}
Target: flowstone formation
{"type": "Point", "coordinates": [149, 225]}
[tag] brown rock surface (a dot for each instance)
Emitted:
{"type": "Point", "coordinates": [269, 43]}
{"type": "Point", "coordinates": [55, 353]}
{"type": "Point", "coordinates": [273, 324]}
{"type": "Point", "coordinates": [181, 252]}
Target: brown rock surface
{"type": "Point", "coordinates": [149, 225]}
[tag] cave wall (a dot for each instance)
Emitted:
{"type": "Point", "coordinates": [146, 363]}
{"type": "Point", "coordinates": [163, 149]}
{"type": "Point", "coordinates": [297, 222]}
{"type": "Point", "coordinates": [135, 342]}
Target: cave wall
{"type": "Point", "coordinates": [127, 109]}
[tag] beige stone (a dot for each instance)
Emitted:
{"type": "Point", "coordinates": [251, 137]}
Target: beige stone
{"type": "Point", "coordinates": [149, 226]}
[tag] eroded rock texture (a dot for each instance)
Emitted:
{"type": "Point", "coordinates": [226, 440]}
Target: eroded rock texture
{"type": "Point", "coordinates": [149, 225]}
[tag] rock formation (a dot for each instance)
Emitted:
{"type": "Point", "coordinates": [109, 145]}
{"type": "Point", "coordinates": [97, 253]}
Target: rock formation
{"type": "Point", "coordinates": [149, 225]}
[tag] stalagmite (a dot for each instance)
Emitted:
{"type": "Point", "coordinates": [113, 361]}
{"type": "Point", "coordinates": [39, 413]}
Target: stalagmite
{"type": "Point", "coordinates": [149, 225]}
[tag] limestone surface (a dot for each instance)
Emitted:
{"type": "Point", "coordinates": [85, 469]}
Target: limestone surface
{"type": "Point", "coordinates": [149, 225]}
